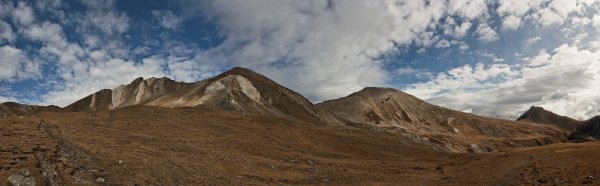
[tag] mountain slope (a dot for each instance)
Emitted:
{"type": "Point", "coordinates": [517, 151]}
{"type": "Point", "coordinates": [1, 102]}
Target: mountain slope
{"type": "Point", "coordinates": [393, 110]}
{"type": "Point", "coordinates": [16, 109]}
{"type": "Point", "coordinates": [540, 115]}
{"type": "Point", "coordinates": [238, 89]}
{"type": "Point", "coordinates": [590, 127]}
{"type": "Point", "coordinates": [588, 130]}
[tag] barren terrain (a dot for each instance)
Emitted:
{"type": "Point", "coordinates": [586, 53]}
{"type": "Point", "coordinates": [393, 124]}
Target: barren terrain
{"type": "Point", "coordinates": [201, 146]}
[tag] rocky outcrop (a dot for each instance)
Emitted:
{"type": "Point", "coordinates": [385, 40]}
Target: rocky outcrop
{"type": "Point", "coordinates": [238, 89]}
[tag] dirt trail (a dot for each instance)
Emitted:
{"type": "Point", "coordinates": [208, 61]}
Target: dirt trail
{"type": "Point", "coordinates": [37, 151]}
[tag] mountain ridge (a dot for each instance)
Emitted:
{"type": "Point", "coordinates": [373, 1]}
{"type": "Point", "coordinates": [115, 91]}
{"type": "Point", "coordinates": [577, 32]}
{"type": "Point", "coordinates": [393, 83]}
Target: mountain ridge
{"type": "Point", "coordinates": [585, 130]}
{"type": "Point", "coordinates": [244, 91]}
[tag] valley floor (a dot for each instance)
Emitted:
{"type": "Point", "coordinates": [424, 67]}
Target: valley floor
{"type": "Point", "coordinates": [192, 146]}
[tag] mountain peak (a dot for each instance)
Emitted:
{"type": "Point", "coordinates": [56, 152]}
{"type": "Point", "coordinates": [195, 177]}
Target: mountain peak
{"type": "Point", "coordinates": [238, 89]}
{"type": "Point", "coordinates": [540, 115]}
{"type": "Point", "coordinates": [239, 71]}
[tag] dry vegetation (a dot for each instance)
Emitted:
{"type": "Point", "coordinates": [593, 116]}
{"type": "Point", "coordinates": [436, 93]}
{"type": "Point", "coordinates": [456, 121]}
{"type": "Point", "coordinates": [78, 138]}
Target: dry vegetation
{"type": "Point", "coordinates": [200, 146]}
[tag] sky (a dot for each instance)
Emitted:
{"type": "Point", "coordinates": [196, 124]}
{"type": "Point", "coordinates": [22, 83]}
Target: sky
{"type": "Point", "coordinates": [491, 58]}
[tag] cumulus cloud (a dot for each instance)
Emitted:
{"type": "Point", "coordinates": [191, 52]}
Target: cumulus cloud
{"type": "Point", "coordinates": [442, 44]}
{"type": "Point", "coordinates": [102, 16]}
{"type": "Point", "coordinates": [23, 14]}
{"type": "Point", "coordinates": [16, 65]}
{"type": "Point", "coordinates": [486, 34]}
{"type": "Point", "coordinates": [322, 49]}
{"type": "Point", "coordinates": [469, 9]}
{"type": "Point", "coordinates": [563, 81]}
{"type": "Point", "coordinates": [511, 22]}
{"type": "Point", "coordinates": [6, 33]}
{"type": "Point", "coordinates": [596, 22]}
{"type": "Point", "coordinates": [320, 41]}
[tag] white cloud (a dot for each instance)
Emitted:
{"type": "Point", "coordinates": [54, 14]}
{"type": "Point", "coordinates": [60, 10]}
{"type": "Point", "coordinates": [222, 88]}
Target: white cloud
{"type": "Point", "coordinates": [167, 19]}
{"type": "Point", "coordinates": [103, 16]}
{"type": "Point", "coordinates": [580, 21]}
{"type": "Point", "coordinates": [563, 8]}
{"type": "Point", "coordinates": [513, 7]}
{"type": "Point", "coordinates": [548, 17]}
{"type": "Point", "coordinates": [107, 74]}
{"type": "Point", "coordinates": [511, 22]}
{"type": "Point", "coordinates": [16, 65]}
{"type": "Point", "coordinates": [458, 31]}
{"type": "Point", "coordinates": [564, 82]}
{"type": "Point", "coordinates": [541, 59]}
{"type": "Point", "coordinates": [533, 40]}
{"type": "Point", "coordinates": [7, 99]}
{"type": "Point", "coordinates": [497, 59]}
{"type": "Point", "coordinates": [596, 22]}
{"type": "Point", "coordinates": [442, 44]}
{"type": "Point", "coordinates": [405, 71]}
{"type": "Point", "coordinates": [486, 34]}
{"type": "Point", "coordinates": [320, 41]}
{"type": "Point", "coordinates": [469, 9]}
{"type": "Point", "coordinates": [6, 32]}
{"type": "Point", "coordinates": [427, 39]}
{"type": "Point", "coordinates": [23, 14]}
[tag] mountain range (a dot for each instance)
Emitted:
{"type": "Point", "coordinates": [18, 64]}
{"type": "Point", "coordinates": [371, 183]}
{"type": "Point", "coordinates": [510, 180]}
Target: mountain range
{"type": "Point", "coordinates": [242, 128]}
{"type": "Point", "coordinates": [243, 91]}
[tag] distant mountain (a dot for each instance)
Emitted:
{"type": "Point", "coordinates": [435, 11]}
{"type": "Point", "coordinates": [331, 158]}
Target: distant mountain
{"type": "Point", "coordinates": [16, 109]}
{"type": "Point", "coordinates": [390, 109]}
{"type": "Point", "coordinates": [590, 127]}
{"type": "Point", "coordinates": [579, 130]}
{"type": "Point", "coordinates": [540, 115]}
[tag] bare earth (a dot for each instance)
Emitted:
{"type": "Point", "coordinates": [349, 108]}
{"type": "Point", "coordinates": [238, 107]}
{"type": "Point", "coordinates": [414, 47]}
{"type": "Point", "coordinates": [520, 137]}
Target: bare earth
{"type": "Point", "coordinates": [198, 146]}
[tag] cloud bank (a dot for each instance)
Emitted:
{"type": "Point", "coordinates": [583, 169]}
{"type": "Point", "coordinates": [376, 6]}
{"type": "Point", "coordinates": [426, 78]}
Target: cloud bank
{"type": "Point", "coordinates": [494, 58]}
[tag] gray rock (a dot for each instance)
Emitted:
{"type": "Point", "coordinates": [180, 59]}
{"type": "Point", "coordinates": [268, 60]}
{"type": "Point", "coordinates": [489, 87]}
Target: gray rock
{"type": "Point", "coordinates": [100, 180]}
{"type": "Point", "coordinates": [591, 177]}
{"type": "Point", "coordinates": [20, 180]}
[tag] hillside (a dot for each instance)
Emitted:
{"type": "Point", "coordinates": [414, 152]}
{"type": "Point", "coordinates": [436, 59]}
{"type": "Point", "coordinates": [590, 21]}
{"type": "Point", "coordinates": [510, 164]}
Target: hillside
{"type": "Point", "coordinates": [147, 145]}
{"type": "Point", "coordinates": [16, 109]}
{"type": "Point", "coordinates": [445, 129]}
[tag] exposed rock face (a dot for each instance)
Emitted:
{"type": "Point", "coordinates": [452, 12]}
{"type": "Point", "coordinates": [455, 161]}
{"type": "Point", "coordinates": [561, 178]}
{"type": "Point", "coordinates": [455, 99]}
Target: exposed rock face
{"type": "Point", "coordinates": [540, 115]}
{"type": "Point", "coordinates": [238, 89]}
{"type": "Point", "coordinates": [139, 91]}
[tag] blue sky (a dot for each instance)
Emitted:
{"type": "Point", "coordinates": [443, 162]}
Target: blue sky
{"type": "Point", "coordinates": [493, 58]}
